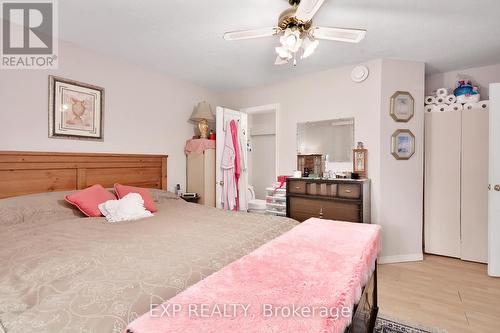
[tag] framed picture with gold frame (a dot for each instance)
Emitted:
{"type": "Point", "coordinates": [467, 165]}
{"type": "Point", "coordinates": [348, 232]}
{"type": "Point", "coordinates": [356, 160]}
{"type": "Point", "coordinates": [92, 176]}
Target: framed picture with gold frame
{"type": "Point", "coordinates": [402, 144]}
{"type": "Point", "coordinates": [359, 160]}
{"type": "Point", "coordinates": [76, 110]}
{"type": "Point", "coordinates": [402, 106]}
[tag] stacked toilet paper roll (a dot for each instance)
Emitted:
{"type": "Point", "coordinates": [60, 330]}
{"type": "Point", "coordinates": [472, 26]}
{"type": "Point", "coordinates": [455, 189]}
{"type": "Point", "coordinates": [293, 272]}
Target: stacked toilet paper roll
{"type": "Point", "coordinates": [441, 107]}
{"type": "Point", "coordinates": [441, 101]}
{"type": "Point", "coordinates": [455, 107]}
{"type": "Point", "coordinates": [442, 92]}
{"type": "Point", "coordinates": [469, 106]}
{"type": "Point", "coordinates": [441, 97]}
{"type": "Point", "coordinates": [430, 100]}
{"type": "Point", "coordinates": [483, 105]}
{"type": "Point", "coordinates": [430, 108]}
{"type": "Point", "coordinates": [451, 99]}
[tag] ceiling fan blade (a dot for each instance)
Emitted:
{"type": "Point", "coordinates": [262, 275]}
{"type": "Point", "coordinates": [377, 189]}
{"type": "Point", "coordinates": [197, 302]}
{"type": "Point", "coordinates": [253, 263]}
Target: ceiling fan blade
{"type": "Point", "coordinates": [339, 34]}
{"type": "Point", "coordinates": [307, 9]}
{"type": "Point", "coordinates": [248, 34]}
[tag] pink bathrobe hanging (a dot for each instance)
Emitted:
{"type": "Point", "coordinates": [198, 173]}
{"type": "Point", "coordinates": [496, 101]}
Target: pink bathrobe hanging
{"type": "Point", "coordinates": [237, 164]}
{"type": "Point", "coordinates": [230, 188]}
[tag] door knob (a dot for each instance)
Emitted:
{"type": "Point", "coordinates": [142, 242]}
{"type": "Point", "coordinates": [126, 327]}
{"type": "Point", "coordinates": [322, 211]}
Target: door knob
{"type": "Point", "coordinates": [221, 183]}
{"type": "Point", "coordinates": [497, 188]}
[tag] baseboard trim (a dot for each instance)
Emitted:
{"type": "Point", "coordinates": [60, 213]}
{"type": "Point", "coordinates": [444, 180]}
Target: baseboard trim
{"type": "Point", "coordinates": [401, 258]}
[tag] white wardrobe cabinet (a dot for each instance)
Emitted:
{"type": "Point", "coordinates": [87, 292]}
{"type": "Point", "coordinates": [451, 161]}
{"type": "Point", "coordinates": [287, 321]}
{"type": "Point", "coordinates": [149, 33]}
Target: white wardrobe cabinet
{"type": "Point", "coordinates": [201, 176]}
{"type": "Point", "coordinates": [456, 184]}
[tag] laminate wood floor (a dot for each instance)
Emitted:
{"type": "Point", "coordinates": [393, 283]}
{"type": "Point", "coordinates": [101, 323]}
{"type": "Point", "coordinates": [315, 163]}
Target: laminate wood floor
{"type": "Point", "coordinates": [441, 292]}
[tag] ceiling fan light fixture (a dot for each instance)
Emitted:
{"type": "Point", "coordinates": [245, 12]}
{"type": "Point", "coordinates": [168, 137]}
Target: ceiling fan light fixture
{"type": "Point", "coordinates": [309, 46]}
{"type": "Point", "coordinates": [281, 61]}
{"type": "Point", "coordinates": [291, 40]}
{"type": "Point", "coordinates": [298, 37]}
{"type": "Point", "coordinates": [283, 53]}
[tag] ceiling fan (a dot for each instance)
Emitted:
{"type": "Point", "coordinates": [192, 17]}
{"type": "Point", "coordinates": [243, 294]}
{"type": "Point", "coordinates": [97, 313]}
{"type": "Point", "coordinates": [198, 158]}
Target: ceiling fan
{"type": "Point", "coordinates": [298, 36]}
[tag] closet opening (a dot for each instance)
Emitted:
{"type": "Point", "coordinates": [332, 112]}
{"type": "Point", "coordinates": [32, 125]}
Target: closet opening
{"type": "Point", "coordinates": [262, 150]}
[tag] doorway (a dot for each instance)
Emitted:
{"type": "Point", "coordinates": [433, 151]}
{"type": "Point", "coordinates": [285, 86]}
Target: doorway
{"type": "Point", "coordinates": [262, 147]}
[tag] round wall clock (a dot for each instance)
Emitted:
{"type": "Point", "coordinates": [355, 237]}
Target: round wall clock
{"type": "Point", "coordinates": [360, 73]}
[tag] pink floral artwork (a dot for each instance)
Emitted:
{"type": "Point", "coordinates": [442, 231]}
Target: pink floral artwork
{"type": "Point", "coordinates": [78, 111]}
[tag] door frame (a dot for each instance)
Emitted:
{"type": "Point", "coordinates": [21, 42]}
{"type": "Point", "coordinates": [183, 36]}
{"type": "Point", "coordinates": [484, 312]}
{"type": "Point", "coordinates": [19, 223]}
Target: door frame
{"type": "Point", "coordinates": [243, 183]}
{"type": "Point", "coordinates": [265, 109]}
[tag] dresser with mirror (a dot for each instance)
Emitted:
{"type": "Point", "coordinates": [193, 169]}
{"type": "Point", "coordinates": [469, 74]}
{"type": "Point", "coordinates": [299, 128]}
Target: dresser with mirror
{"type": "Point", "coordinates": [325, 152]}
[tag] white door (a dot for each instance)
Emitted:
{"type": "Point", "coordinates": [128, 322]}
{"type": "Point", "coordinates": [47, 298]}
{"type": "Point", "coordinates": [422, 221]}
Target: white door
{"type": "Point", "coordinates": [223, 117]}
{"type": "Point", "coordinates": [474, 180]}
{"type": "Point", "coordinates": [442, 183]}
{"type": "Point", "coordinates": [494, 193]}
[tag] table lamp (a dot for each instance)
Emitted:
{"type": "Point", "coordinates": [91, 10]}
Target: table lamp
{"type": "Point", "coordinates": [202, 113]}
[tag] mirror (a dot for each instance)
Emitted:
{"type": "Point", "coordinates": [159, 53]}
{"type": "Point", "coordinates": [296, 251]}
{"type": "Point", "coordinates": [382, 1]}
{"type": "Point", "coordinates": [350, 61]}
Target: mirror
{"type": "Point", "coordinates": [334, 138]}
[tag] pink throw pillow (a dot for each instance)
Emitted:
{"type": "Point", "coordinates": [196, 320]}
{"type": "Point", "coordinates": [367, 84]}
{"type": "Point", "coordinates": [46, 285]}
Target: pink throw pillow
{"type": "Point", "coordinates": [123, 190]}
{"type": "Point", "coordinates": [89, 199]}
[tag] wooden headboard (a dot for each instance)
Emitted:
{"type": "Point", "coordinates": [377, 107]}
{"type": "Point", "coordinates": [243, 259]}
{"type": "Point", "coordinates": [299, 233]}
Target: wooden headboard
{"type": "Point", "coordinates": [35, 172]}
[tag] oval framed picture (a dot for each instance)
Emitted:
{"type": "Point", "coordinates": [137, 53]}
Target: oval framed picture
{"type": "Point", "coordinates": [402, 106]}
{"type": "Point", "coordinates": [403, 144]}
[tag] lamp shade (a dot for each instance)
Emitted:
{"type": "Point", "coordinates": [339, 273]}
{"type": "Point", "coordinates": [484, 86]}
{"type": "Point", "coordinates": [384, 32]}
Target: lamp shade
{"type": "Point", "coordinates": [202, 111]}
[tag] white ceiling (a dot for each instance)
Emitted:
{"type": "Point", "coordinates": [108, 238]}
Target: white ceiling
{"type": "Point", "coordinates": [184, 37]}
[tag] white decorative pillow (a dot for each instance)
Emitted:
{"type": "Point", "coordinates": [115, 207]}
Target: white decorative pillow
{"type": "Point", "coordinates": [128, 208]}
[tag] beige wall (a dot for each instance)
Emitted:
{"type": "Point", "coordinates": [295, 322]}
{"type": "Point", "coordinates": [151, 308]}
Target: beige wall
{"type": "Point", "coordinates": [326, 95]}
{"type": "Point", "coordinates": [146, 112]}
{"type": "Point", "coordinates": [482, 76]}
{"type": "Point", "coordinates": [332, 94]}
{"type": "Point", "coordinates": [401, 182]}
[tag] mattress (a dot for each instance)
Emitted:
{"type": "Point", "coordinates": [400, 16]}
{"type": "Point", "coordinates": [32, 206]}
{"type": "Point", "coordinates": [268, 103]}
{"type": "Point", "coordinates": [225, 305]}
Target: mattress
{"type": "Point", "coordinates": [306, 280]}
{"type": "Point", "coordinates": [64, 273]}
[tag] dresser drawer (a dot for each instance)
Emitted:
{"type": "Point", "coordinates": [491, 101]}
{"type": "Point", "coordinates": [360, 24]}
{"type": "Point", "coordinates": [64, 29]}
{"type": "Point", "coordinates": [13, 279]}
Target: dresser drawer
{"type": "Point", "coordinates": [301, 209]}
{"type": "Point", "coordinates": [342, 211]}
{"type": "Point", "coordinates": [313, 188]}
{"type": "Point", "coordinates": [322, 189]}
{"type": "Point", "coordinates": [350, 191]}
{"type": "Point", "coordinates": [306, 206]}
{"type": "Point", "coordinates": [331, 190]}
{"type": "Point", "coordinates": [297, 187]}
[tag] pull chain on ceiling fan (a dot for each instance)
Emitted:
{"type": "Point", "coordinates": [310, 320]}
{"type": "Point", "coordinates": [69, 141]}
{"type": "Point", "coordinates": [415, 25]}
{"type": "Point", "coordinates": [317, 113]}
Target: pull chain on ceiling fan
{"type": "Point", "coordinates": [298, 37]}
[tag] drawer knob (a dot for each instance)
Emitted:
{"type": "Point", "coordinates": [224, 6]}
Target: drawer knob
{"type": "Point", "coordinates": [297, 187]}
{"type": "Point", "coordinates": [348, 191]}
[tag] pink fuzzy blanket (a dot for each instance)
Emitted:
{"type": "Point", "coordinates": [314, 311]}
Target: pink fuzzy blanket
{"type": "Point", "coordinates": [306, 280]}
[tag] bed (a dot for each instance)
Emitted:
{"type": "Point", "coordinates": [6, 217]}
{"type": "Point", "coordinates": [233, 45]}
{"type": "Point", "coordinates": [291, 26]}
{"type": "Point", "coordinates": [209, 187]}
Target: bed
{"type": "Point", "coordinates": [64, 273]}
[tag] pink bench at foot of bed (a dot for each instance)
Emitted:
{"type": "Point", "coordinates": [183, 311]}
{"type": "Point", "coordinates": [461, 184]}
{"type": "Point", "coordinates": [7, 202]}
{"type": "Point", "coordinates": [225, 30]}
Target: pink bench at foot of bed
{"type": "Point", "coordinates": [320, 266]}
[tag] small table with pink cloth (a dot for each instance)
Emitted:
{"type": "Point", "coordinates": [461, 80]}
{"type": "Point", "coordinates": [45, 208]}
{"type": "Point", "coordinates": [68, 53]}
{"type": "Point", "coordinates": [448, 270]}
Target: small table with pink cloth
{"type": "Point", "coordinates": [198, 145]}
{"type": "Point", "coordinates": [318, 277]}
